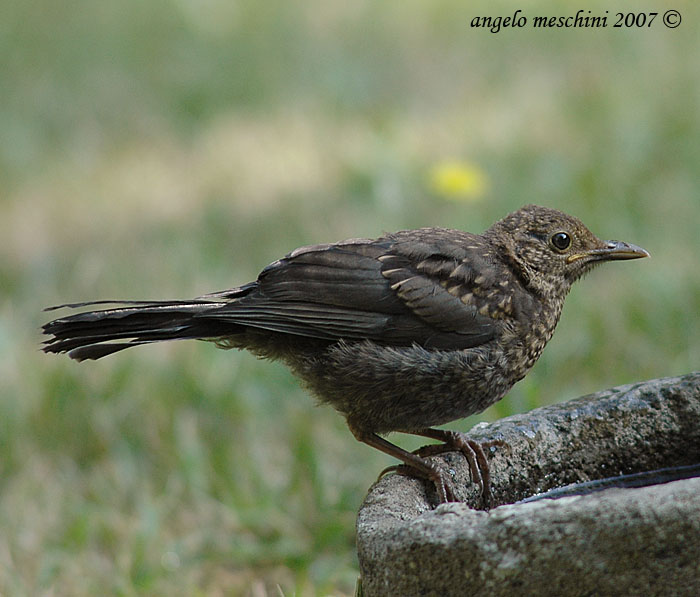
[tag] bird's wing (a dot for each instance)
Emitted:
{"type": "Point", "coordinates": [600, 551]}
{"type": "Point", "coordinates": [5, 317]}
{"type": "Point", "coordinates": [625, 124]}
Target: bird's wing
{"type": "Point", "coordinates": [386, 290]}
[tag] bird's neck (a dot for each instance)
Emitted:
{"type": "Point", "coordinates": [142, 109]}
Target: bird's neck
{"type": "Point", "coordinates": [540, 299]}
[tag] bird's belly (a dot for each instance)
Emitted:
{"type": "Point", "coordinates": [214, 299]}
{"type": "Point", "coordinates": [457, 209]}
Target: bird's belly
{"type": "Point", "coordinates": [381, 389]}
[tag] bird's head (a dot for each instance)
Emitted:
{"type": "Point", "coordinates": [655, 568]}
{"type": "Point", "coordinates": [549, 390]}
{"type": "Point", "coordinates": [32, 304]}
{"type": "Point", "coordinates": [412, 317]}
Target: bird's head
{"type": "Point", "coordinates": [551, 250]}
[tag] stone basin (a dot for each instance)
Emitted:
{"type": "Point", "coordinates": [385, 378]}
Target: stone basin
{"type": "Point", "coordinates": [618, 541]}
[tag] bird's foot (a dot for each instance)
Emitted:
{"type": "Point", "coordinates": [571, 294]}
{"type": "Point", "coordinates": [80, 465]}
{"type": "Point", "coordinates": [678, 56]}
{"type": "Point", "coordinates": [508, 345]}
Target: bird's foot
{"type": "Point", "coordinates": [416, 464]}
{"type": "Point", "coordinates": [473, 451]}
{"type": "Point", "coordinates": [443, 486]}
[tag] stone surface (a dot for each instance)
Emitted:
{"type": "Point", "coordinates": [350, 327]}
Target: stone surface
{"type": "Point", "coordinates": [614, 542]}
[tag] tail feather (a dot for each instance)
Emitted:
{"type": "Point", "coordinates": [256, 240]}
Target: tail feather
{"type": "Point", "coordinates": [95, 334]}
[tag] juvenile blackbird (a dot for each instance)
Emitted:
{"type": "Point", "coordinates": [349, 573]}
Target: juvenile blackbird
{"type": "Point", "coordinates": [400, 333]}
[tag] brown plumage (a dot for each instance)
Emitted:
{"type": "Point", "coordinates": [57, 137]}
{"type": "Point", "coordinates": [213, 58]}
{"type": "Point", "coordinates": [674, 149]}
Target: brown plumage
{"type": "Point", "coordinates": [401, 333]}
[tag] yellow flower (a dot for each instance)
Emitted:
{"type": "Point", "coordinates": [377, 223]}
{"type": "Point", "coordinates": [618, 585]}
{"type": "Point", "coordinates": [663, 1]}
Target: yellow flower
{"type": "Point", "coordinates": [459, 181]}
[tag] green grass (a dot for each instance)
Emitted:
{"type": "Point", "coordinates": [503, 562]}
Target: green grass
{"type": "Point", "coordinates": [165, 149]}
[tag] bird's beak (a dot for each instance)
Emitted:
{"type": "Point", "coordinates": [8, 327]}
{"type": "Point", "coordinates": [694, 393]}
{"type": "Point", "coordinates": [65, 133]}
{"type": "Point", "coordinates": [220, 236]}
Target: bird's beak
{"type": "Point", "coordinates": [613, 250]}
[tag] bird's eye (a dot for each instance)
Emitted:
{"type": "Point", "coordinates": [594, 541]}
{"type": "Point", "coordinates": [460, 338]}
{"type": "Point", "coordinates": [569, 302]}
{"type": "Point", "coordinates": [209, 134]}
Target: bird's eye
{"type": "Point", "coordinates": [561, 241]}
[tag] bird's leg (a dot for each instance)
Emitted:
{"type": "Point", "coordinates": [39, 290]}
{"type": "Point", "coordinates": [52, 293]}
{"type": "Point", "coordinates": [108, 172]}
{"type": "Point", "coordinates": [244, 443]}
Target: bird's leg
{"type": "Point", "coordinates": [414, 462]}
{"type": "Point", "coordinates": [473, 451]}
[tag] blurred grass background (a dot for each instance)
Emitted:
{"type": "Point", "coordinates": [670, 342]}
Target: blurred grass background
{"type": "Point", "coordinates": [167, 148]}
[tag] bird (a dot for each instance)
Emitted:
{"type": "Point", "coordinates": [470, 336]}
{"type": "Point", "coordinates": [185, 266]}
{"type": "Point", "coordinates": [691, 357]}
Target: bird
{"type": "Point", "coordinates": [400, 333]}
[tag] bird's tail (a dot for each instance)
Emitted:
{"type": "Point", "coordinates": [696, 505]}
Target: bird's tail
{"type": "Point", "coordinates": [95, 334]}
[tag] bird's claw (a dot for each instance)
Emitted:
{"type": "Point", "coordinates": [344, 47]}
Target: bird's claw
{"type": "Point", "coordinates": [475, 454]}
{"type": "Point", "coordinates": [444, 489]}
